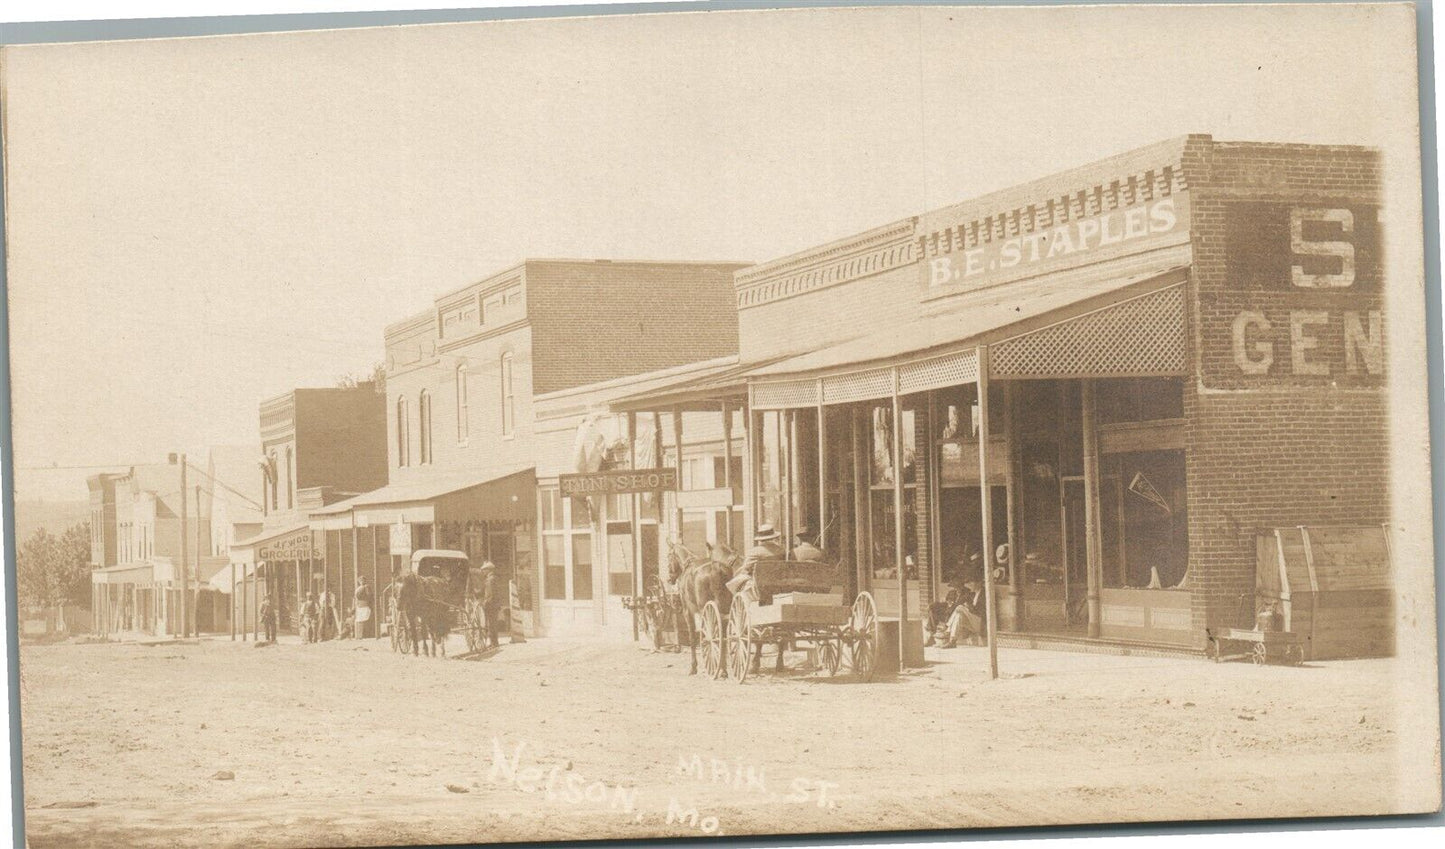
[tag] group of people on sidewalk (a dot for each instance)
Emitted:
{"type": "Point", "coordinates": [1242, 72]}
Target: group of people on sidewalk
{"type": "Point", "coordinates": [321, 617]}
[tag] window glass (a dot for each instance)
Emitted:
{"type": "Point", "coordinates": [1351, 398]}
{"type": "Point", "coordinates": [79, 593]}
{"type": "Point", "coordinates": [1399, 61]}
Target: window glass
{"type": "Point", "coordinates": [462, 424]}
{"type": "Point", "coordinates": [551, 509]}
{"type": "Point", "coordinates": [581, 567]}
{"type": "Point", "coordinates": [554, 577]}
{"type": "Point", "coordinates": [508, 411]}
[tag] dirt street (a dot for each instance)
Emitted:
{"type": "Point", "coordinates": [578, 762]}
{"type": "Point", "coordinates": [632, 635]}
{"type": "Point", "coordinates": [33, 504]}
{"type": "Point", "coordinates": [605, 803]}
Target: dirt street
{"type": "Point", "coordinates": [349, 744]}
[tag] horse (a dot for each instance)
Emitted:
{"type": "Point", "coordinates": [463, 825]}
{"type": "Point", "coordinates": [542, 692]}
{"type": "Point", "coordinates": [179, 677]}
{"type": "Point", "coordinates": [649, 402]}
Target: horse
{"type": "Point", "coordinates": [698, 581]}
{"type": "Point", "coordinates": [421, 614]}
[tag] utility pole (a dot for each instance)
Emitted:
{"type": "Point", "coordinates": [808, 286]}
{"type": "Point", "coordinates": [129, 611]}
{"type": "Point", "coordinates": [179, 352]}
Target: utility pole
{"type": "Point", "coordinates": [184, 618]}
{"type": "Point", "coordinates": [196, 596]}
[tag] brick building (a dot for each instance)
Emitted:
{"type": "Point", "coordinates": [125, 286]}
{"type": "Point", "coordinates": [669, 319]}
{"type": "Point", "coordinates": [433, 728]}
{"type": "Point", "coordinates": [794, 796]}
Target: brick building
{"type": "Point", "coordinates": [463, 382]}
{"type": "Point", "coordinates": [1143, 375]}
{"type": "Point", "coordinates": [318, 446]}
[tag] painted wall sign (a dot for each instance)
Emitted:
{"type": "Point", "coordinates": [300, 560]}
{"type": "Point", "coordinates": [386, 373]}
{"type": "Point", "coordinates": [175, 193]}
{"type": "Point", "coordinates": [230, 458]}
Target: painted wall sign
{"type": "Point", "coordinates": [1316, 272]}
{"type": "Point", "coordinates": [948, 263]}
{"type": "Point", "coordinates": [618, 482]}
{"type": "Point", "coordinates": [399, 539]}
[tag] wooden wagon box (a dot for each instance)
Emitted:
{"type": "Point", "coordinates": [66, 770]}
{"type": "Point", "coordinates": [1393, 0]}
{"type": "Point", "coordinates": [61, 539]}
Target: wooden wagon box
{"type": "Point", "coordinates": [1333, 586]}
{"type": "Point", "coordinates": [823, 599]}
{"type": "Point", "coordinates": [774, 577]}
{"type": "Point", "coordinates": [800, 614]}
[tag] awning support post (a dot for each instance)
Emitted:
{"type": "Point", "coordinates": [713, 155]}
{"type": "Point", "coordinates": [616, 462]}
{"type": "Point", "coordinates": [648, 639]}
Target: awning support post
{"type": "Point", "coordinates": [1093, 550]}
{"type": "Point", "coordinates": [727, 431]}
{"type": "Point", "coordinates": [898, 525]}
{"type": "Point", "coordinates": [636, 499]}
{"type": "Point", "coordinates": [986, 502]}
{"type": "Point", "coordinates": [822, 468]}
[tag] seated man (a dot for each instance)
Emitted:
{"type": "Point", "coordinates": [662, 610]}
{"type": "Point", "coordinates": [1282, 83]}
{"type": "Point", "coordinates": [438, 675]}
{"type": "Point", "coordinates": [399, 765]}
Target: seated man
{"type": "Point", "coordinates": [967, 619]}
{"type": "Point", "coordinates": [938, 615]}
{"type": "Point", "coordinates": [803, 550]}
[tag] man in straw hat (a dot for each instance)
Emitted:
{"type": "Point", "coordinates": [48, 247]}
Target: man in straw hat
{"type": "Point", "coordinates": [492, 603]}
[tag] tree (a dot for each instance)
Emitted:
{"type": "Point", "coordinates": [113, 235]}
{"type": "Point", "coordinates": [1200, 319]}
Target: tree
{"type": "Point", "coordinates": [377, 379]}
{"type": "Point", "coordinates": [52, 570]}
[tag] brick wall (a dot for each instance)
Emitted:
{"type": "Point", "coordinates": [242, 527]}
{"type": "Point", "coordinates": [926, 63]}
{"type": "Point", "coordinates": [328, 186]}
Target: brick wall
{"type": "Point", "coordinates": [1284, 425]}
{"type": "Point", "coordinates": [596, 321]}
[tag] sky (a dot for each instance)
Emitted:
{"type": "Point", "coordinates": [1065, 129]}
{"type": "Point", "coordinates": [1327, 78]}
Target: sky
{"type": "Point", "coordinates": [195, 225]}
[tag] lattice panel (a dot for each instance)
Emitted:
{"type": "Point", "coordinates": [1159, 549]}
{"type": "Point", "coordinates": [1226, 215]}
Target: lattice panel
{"type": "Point", "coordinates": [858, 386]}
{"type": "Point", "coordinates": [1140, 336]}
{"type": "Point", "coordinates": [949, 370]}
{"type": "Point", "coordinates": [785, 395]}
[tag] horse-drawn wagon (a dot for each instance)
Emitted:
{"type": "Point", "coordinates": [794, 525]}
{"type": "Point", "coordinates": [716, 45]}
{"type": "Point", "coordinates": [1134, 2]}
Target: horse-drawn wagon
{"type": "Point", "coordinates": [787, 603]}
{"type": "Point", "coordinates": [440, 592]}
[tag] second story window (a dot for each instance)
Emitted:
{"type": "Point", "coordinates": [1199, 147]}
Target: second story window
{"type": "Point", "coordinates": [402, 439]}
{"type": "Point", "coordinates": [424, 413]}
{"type": "Point", "coordinates": [290, 478]}
{"type": "Point", "coordinates": [508, 405]}
{"type": "Point", "coordinates": [462, 424]}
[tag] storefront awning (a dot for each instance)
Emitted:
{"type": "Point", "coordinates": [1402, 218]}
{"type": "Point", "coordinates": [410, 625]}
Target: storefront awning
{"type": "Point", "coordinates": [290, 543]}
{"type": "Point", "coordinates": [229, 574]}
{"type": "Point", "coordinates": [1080, 327]}
{"type": "Point", "coordinates": [695, 393]}
{"type": "Point", "coordinates": [504, 494]}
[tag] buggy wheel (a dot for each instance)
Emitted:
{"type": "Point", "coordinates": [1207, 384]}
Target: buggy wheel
{"type": "Point", "coordinates": [473, 627]}
{"type": "Point", "coordinates": [830, 654]}
{"type": "Point", "coordinates": [1260, 655]}
{"type": "Point", "coordinates": [740, 640]}
{"type": "Point", "coordinates": [712, 641]}
{"type": "Point", "coordinates": [863, 629]}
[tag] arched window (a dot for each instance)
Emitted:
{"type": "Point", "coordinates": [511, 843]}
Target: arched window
{"type": "Point", "coordinates": [402, 438]}
{"type": "Point", "coordinates": [508, 402]}
{"type": "Point", "coordinates": [462, 425]}
{"type": "Point", "coordinates": [271, 461]}
{"type": "Point", "coordinates": [424, 413]}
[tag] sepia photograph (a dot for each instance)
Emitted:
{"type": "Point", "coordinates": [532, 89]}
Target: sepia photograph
{"type": "Point", "coordinates": [717, 423]}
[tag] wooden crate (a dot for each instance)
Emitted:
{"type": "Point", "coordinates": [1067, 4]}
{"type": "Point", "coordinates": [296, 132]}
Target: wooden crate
{"type": "Point", "coordinates": [1333, 586]}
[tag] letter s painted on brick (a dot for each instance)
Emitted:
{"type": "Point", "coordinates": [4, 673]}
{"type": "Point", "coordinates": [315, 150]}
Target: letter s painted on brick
{"type": "Point", "coordinates": [1344, 250]}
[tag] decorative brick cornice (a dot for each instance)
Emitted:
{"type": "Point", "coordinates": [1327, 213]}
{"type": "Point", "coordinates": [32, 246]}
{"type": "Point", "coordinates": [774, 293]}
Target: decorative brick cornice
{"type": "Point", "coordinates": [872, 252]}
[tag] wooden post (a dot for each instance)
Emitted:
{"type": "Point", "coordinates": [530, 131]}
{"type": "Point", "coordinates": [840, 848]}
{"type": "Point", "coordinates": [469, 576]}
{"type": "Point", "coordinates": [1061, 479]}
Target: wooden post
{"type": "Point", "coordinates": [233, 602]}
{"type": "Point", "coordinates": [636, 499]}
{"type": "Point", "coordinates": [194, 602]}
{"type": "Point", "coordinates": [822, 468]}
{"type": "Point", "coordinates": [898, 524]}
{"type": "Point", "coordinates": [727, 430]}
{"type": "Point", "coordinates": [795, 483]}
{"type": "Point", "coordinates": [244, 631]}
{"type": "Point", "coordinates": [355, 572]}
{"type": "Point", "coordinates": [750, 472]}
{"type": "Point", "coordinates": [861, 505]}
{"type": "Point", "coordinates": [677, 441]}
{"type": "Point", "coordinates": [985, 495]}
{"type": "Point", "coordinates": [931, 463]}
{"type": "Point", "coordinates": [1093, 550]}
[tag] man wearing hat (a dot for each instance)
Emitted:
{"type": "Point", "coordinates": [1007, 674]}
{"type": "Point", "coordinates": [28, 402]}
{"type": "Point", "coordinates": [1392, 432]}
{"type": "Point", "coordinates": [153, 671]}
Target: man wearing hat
{"type": "Point", "coordinates": [967, 619]}
{"type": "Point", "coordinates": [310, 612]}
{"type": "Point", "coordinates": [491, 603]}
{"type": "Point", "coordinates": [766, 544]}
{"type": "Point", "coordinates": [803, 550]}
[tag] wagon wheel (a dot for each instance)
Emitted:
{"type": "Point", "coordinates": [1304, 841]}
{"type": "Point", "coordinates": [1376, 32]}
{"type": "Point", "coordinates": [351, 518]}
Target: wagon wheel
{"type": "Point", "coordinates": [863, 630]}
{"type": "Point", "coordinates": [1260, 655]}
{"type": "Point", "coordinates": [830, 653]}
{"type": "Point", "coordinates": [740, 640]}
{"type": "Point", "coordinates": [473, 627]}
{"type": "Point", "coordinates": [712, 641]}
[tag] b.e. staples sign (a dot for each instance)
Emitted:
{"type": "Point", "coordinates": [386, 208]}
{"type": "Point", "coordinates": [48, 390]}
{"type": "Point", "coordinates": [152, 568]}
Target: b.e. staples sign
{"type": "Point", "coordinates": [949, 265]}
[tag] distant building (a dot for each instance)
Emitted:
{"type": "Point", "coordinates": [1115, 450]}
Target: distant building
{"type": "Point", "coordinates": [136, 548]}
{"type": "Point", "coordinates": [318, 446]}
{"type": "Point", "coordinates": [462, 437]}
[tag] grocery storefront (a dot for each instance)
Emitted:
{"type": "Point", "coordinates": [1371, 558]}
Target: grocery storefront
{"type": "Point", "coordinates": [1109, 385]}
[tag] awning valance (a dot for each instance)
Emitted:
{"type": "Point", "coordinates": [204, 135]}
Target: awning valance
{"type": "Point", "coordinates": [506, 493]}
{"type": "Point", "coordinates": [290, 543]}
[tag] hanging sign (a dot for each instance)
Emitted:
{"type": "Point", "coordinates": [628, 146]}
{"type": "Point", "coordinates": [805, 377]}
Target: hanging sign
{"type": "Point", "coordinates": [1142, 487]}
{"type": "Point", "coordinates": [618, 482]}
{"type": "Point", "coordinates": [400, 539]}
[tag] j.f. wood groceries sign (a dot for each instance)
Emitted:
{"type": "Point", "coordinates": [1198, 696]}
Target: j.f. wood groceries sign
{"type": "Point", "coordinates": [959, 256]}
{"type": "Point", "coordinates": [618, 482]}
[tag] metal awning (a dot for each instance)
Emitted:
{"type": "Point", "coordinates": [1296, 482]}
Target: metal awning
{"type": "Point", "coordinates": [505, 494]}
{"type": "Point", "coordinates": [1080, 327]}
{"type": "Point", "coordinates": [231, 573]}
{"type": "Point", "coordinates": [698, 393]}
